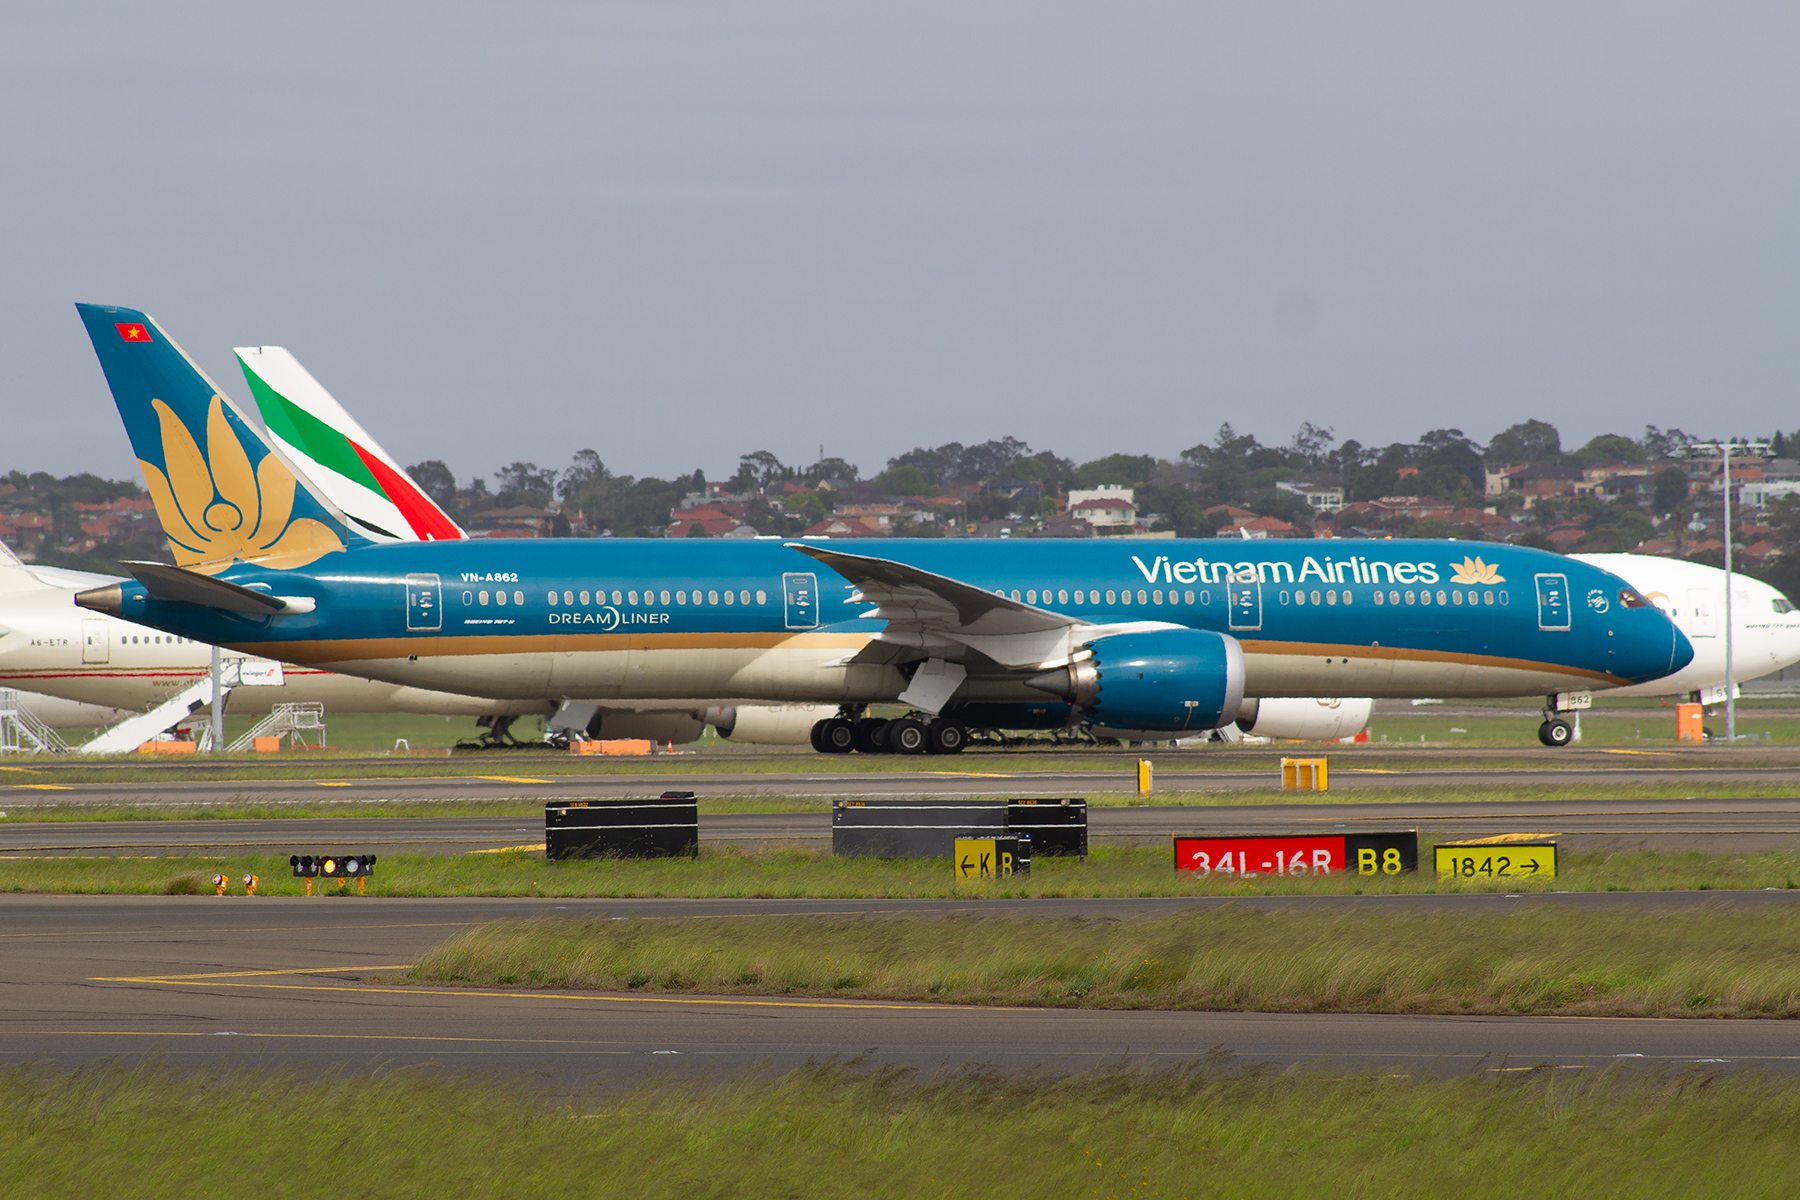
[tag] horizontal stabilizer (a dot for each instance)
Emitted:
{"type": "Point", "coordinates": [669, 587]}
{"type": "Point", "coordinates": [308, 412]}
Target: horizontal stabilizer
{"type": "Point", "coordinates": [190, 587]}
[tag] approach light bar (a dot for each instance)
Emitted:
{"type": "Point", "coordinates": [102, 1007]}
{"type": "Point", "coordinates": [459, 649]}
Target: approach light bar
{"type": "Point", "coordinates": [332, 866]}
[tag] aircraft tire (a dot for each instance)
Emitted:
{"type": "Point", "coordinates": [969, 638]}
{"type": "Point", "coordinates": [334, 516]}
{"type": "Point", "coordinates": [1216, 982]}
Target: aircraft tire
{"type": "Point", "coordinates": [1556, 733]}
{"type": "Point", "coordinates": [946, 737]}
{"type": "Point", "coordinates": [907, 736]}
{"type": "Point", "coordinates": [836, 736]}
{"type": "Point", "coordinates": [871, 737]}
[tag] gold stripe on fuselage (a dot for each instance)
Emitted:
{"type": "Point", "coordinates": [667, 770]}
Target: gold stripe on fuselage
{"type": "Point", "coordinates": [701, 663]}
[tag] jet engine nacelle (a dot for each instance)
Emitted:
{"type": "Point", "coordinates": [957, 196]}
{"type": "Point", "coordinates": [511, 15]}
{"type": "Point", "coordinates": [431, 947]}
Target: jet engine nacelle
{"type": "Point", "coordinates": [666, 727]}
{"type": "Point", "coordinates": [1305, 718]}
{"type": "Point", "coordinates": [769, 724]}
{"type": "Point", "coordinates": [1158, 681]}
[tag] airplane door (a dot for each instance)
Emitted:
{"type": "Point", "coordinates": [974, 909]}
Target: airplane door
{"type": "Point", "coordinates": [1244, 605]}
{"type": "Point", "coordinates": [424, 603]}
{"type": "Point", "coordinates": [802, 596]}
{"type": "Point", "coordinates": [96, 641]}
{"type": "Point", "coordinates": [1702, 622]}
{"type": "Point", "coordinates": [1553, 602]}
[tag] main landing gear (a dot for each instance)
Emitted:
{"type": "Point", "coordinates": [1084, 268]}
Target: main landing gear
{"type": "Point", "coordinates": [911, 734]}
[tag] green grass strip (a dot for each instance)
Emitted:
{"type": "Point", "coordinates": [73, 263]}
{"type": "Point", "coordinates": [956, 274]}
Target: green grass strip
{"type": "Point", "coordinates": [1718, 961]}
{"type": "Point", "coordinates": [1123, 871]}
{"type": "Point", "coordinates": [838, 1130]}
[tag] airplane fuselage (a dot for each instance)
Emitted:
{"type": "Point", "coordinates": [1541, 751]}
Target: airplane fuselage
{"type": "Point", "coordinates": [755, 620]}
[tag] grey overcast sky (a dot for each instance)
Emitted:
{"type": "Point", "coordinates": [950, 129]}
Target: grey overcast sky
{"type": "Point", "coordinates": [677, 232]}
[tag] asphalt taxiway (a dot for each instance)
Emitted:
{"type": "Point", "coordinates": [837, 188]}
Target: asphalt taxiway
{"type": "Point", "coordinates": [278, 981]}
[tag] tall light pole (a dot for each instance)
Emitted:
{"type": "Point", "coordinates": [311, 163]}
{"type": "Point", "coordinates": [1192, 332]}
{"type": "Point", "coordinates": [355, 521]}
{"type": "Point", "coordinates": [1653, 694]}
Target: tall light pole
{"type": "Point", "coordinates": [1725, 450]}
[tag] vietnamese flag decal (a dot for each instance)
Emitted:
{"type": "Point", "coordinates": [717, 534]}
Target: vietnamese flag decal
{"type": "Point", "coordinates": [134, 333]}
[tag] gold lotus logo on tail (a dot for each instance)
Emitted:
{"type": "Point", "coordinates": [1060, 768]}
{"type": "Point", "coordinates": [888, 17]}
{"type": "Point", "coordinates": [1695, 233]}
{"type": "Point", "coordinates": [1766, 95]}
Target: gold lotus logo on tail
{"type": "Point", "coordinates": [1473, 570]}
{"type": "Point", "coordinates": [216, 509]}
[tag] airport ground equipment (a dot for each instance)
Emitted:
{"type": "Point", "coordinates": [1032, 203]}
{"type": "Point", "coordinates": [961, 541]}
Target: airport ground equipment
{"type": "Point", "coordinates": [1503, 856]}
{"type": "Point", "coordinates": [133, 732]}
{"type": "Point", "coordinates": [1058, 827]}
{"type": "Point", "coordinates": [923, 828]}
{"type": "Point", "coordinates": [1366, 854]}
{"type": "Point", "coordinates": [1305, 775]}
{"type": "Point", "coordinates": [666, 827]}
{"type": "Point", "coordinates": [296, 722]}
{"type": "Point", "coordinates": [991, 858]}
{"type": "Point", "coordinates": [23, 733]}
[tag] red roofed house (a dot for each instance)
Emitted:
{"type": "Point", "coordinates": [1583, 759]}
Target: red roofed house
{"type": "Point", "coordinates": [841, 527]}
{"type": "Point", "coordinates": [1105, 512]}
{"type": "Point", "coordinates": [1258, 528]}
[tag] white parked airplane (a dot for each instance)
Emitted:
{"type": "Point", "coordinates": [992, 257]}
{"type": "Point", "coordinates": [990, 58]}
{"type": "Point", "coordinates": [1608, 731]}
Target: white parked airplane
{"type": "Point", "coordinates": [1765, 638]}
{"type": "Point", "coordinates": [1765, 626]}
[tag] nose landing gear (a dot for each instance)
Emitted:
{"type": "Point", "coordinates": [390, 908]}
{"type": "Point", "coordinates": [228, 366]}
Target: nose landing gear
{"type": "Point", "coordinates": [1556, 732]}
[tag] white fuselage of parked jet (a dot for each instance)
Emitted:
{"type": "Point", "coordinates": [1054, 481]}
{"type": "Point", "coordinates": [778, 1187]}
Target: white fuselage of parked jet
{"type": "Point", "coordinates": [1765, 625]}
{"type": "Point", "coordinates": [51, 647]}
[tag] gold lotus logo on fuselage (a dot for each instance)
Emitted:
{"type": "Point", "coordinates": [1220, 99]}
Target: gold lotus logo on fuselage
{"type": "Point", "coordinates": [1473, 570]}
{"type": "Point", "coordinates": [216, 509]}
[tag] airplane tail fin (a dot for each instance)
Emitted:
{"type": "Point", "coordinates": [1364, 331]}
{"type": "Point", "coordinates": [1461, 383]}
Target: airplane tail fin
{"type": "Point", "coordinates": [332, 451]}
{"type": "Point", "coordinates": [221, 492]}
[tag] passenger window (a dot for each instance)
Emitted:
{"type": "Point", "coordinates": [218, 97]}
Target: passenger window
{"type": "Point", "coordinates": [665, 597]}
{"type": "Point", "coordinates": [1111, 597]}
{"type": "Point", "coordinates": [484, 597]}
{"type": "Point", "coordinates": [1190, 597]}
{"type": "Point", "coordinates": [762, 597]}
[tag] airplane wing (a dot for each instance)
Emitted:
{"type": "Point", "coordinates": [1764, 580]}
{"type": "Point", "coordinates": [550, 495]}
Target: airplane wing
{"type": "Point", "coordinates": [934, 616]}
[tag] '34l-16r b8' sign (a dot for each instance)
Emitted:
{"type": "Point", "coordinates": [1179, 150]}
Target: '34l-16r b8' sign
{"type": "Point", "coordinates": [1300, 854]}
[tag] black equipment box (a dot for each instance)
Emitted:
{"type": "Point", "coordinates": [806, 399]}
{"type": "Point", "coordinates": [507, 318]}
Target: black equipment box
{"type": "Point", "coordinates": [912, 828]}
{"type": "Point", "coordinates": [1058, 827]}
{"type": "Point", "coordinates": [667, 827]}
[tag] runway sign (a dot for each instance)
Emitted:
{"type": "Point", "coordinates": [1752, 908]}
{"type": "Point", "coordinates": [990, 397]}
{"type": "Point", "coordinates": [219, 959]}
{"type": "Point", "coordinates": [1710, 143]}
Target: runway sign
{"type": "Point", "coordinates": [1368, 854]}
{"type": "Point", "coordinates": [667, 827]}
{"type": "Point", "coordinates": [1507, 856]}
{"type": "Point", "coordinates": [991, 858]}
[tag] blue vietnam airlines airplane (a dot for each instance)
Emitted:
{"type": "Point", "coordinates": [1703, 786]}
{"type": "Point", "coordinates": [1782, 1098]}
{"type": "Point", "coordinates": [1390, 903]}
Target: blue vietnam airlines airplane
{"type": "Point", "coordinates": [1149, 637]}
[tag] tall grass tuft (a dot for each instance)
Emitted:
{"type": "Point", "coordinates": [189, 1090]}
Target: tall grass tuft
{"type": "Point", "coordinates": [1722, 960]}
{"type": "Point", "coordinates": [851, 1129]}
